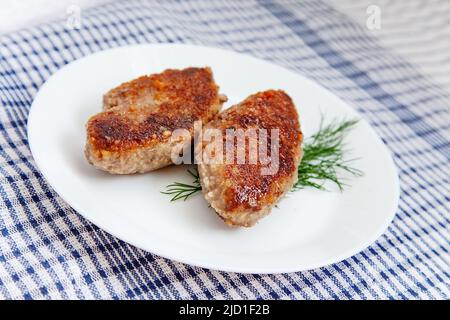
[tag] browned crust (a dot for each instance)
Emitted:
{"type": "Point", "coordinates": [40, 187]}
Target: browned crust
{"type": "Point", "coordinates": [246, 188]}
{"type": "Point", "coordinates": [177, 99]}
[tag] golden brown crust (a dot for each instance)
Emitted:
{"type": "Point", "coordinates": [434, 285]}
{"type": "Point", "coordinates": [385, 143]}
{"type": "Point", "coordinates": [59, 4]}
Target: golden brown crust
{"type": "Point", "coordinates": [145, 111]}
{"type": "Point", "coordinates": [172, 86]}
{"type": "Point", "coordinates": [246, 188]}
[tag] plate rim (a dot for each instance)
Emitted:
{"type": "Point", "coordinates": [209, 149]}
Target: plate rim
{"type": "Point", "coordinates": [195, 262]}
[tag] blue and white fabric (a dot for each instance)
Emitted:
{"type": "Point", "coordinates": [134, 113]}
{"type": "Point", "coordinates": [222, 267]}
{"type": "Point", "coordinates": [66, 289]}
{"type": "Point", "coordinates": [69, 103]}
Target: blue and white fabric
{"type": "Point", "coordinates": [48, 251]}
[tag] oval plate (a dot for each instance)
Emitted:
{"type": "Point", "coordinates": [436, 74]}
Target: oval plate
{"type": "Point", "coordinates": [308, 229]}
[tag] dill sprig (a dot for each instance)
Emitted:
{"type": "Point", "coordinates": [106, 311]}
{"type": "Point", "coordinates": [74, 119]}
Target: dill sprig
{"type": "Point", "coordinates": [323, 161]}
{"type": "Point", "coordinates": [324, 157]}
{"type": "Point", "coordinates": [183, 191]}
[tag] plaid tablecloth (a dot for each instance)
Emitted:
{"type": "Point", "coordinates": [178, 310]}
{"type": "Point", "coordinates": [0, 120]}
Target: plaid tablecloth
{"type": "Point", "coordinates": [47, 250]}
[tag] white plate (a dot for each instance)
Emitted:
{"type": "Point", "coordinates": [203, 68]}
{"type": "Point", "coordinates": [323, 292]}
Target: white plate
{"type": "Point", "coordinates": [309, 228]}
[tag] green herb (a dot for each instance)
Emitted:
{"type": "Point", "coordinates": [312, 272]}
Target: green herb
{"type": "Point", "coordinates": [183, 191]}
{"type": "Point", "coordinates": [323, 161]}
{"type": "Point", "coordinates": [324, 157]}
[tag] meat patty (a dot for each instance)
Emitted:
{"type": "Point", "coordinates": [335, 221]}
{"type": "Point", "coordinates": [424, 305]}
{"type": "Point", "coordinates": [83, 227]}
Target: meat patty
{"type": "Point", "coordinates": [133, 132]}
{"type": "Point", "coordinates": [240, 193]}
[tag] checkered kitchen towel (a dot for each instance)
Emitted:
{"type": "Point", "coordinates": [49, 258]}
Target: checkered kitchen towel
{"type": "Point", "coordinates": [47, 250]}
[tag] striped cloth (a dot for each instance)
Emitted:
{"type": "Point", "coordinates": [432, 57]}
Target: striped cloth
{"type": "Point", "coordinates": [47, 250]}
